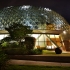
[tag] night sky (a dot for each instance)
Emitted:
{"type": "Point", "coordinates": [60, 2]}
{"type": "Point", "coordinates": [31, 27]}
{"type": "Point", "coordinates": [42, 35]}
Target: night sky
{"type": "Point", "coordinates": [60, 6]}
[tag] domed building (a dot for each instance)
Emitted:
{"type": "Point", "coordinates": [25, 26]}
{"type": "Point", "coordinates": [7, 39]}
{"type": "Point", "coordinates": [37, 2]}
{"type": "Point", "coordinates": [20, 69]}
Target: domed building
{"type": "Point", "coordinates": [50, 29]}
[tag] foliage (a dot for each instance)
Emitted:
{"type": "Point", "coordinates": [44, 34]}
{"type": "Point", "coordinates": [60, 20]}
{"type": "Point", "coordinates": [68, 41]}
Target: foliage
{"type": "Point", "coordinates": [22, 51]}
{"type": "Point", "coordinates": [18, 31]}
{"type": "Point", "coordinates": [6, 39]}
{"type": "Point", "coordinates": [3, 59]}
{"type": "Point", "coordinates": [36, 51]}
{"type": "Point", "coordinates": [14, 45]}
{"type": "Point", "coordinates": [16, 51]}
{"type": "Point", "coordinates": [4, 44]}
{"type": "Point", "coordinates": [7, 45]}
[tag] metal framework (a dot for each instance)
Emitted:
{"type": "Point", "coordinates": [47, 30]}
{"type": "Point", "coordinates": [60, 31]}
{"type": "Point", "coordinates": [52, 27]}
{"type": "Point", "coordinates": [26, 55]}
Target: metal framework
{"type": "Point", "coordinates": [35, 17]}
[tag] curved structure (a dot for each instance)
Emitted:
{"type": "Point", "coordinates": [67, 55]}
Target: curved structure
{"type": "Point", "coordinates": [45, 23]}
{"type": "Point", "coordinates": [36, 18]}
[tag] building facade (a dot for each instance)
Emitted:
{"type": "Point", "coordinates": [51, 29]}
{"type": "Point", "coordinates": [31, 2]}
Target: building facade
{"type": "Point", "coordinates": [50, 29]}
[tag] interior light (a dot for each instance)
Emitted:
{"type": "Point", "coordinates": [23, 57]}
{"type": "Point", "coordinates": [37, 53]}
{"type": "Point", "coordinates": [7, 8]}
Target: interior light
{"type": "Point", "coordinates": [2, 36]}
{"type": "Point", "coordinates": [50, 47]}
{"type": "Point", "coordinates": [35, 35]}
{"type": "Point", "coordinates": [64, 32]}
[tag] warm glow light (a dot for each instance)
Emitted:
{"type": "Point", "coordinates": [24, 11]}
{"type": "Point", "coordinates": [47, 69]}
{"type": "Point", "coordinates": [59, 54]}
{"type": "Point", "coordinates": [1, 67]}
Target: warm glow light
{"type": "Point", "coordinates": [54, 36]}
{"type": "Point", "coordinates": [64, 32]}
{"type": "Point", "coordinates": [50, 47]}
{"type": "Point", "coordinates": [51, 36]}
{"type": "Point", "coordinates": [35, 35]}
{"type": "Point", "coordinates": [2, 36]}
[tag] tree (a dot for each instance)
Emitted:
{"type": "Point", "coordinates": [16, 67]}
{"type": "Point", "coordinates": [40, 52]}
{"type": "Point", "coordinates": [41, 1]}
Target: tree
{"type": "Point", "coordinates": [18, 31]}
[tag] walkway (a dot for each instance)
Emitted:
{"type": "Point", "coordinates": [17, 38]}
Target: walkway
{"type": "Point", "coordinates": [41, 60]}
{"type": "Point", "coordinates": [40, 63]}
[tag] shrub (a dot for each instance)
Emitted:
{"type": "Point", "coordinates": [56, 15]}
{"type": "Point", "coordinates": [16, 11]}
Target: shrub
{"type": "Point", "coordinates": [36, 51]}
{"type": "Point", "coordinates": [3, 59]}
{"type": "Point", "coordinates": [5, 44]}
{"type": "Point", "coordinates": [22, 51]}
{"type": "Point", "coordinates": [17, 51]}
{"type": "Point", "coordinates": [14, 45]}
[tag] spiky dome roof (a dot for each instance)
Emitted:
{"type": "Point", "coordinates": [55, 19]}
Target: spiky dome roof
{"type": "Point", "coordinates": [35, 17]}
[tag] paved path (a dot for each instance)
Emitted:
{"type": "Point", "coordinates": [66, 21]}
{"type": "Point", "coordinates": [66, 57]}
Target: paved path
{"type": "Point", "coordinates": [40, 63]}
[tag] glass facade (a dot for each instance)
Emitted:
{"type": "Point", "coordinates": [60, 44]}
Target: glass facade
{"type": "Point", "coordinates": [45, 23]}
{"type": "Point", "coordinates": [3, 35]}
{"type": "Point", "coordinates": [35, 17]}
{"type": "Point", "coordinates": [48, 41]}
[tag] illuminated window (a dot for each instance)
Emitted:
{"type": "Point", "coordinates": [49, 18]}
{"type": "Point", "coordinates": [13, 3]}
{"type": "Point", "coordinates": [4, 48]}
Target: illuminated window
{"type": "Point", "coordinates": [3, 36]}
{"type": "Point", "coordinates": [47, 41]}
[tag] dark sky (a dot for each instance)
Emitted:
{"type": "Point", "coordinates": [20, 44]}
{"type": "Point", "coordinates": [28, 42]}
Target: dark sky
{"type": "Point", "coordinates": [60, 6]}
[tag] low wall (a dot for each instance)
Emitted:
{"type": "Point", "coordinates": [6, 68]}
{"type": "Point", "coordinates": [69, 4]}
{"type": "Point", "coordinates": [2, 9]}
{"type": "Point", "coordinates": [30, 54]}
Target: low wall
{"type": "Point", "coordinates": [64, 59]}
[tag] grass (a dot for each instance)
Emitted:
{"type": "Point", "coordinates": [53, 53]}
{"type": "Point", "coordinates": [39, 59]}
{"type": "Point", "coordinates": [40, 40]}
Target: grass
{"type": "Point", "coordinates": [47, 52]}
{"type": "Point", "coordinates": [52, 53]}
{"type": "Point", "coordinates": [26, 67]}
